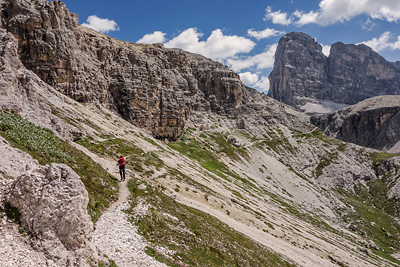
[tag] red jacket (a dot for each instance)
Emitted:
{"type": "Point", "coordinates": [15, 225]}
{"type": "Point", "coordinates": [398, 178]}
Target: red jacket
{"type": "Point", "coordinates": [121, 162]}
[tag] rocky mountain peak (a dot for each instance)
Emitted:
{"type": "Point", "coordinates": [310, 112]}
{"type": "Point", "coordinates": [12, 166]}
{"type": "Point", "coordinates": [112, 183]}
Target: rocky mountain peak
{"type": "Point", "coordinates": [306, 79]}
{"type": "Point", "coordinates": [298, 70]}
{"type": "Point", "coordinates": [150, 86]}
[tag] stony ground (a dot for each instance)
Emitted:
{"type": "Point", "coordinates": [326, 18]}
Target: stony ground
{"type": "Point", "coordinates": [117, 238]}
{"type": "Point", "coordinates": [114, 235]}
{"type": "Point", "coordinates": [15, 248]}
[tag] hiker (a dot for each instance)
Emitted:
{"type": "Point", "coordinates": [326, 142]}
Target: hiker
{"type": "Point", "coordinates": [121, 163]}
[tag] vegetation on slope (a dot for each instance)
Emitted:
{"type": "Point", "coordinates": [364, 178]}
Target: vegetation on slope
{"type": "Point", "coordinates": [206, 150]}
{"type": "Point", "coordinates": [44, 146]}
{"type": "Point", "coordinates": [143, 163]}
{"type": "Point", "coordinates": [371, 221]}
{"type": "Point", "coordinates": [193, 237]}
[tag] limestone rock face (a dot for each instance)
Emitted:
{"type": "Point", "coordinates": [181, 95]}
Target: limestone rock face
{"type": "Point", "coordinates": [52, 201]}
{"type": "Point", "coordinates": [351, 73]}
{"type": "Point", "coordinates": [299, 70]}
{"type": "Point", "coordinates": [149, 85]}
{"type": "Point", "coordinates": [24, 93]}
{"type": "Point", "coordinates": [374, 123]}
{"type": "Point", "coordinates": [356, 72]}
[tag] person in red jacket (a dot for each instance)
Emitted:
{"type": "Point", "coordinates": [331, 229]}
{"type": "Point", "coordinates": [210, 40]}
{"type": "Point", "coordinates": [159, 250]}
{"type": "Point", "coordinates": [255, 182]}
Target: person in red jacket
{"type": "Point", "coordinates": [121, 163]}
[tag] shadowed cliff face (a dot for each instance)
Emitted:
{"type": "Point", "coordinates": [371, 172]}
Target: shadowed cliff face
{"type": "Point", "coordinates": [372, 123]}
{"type": "Point", "coordinates": [298, 70]}
{"type": "Point", "coordinates": [349, 75]}
{"type": "Point", "coordinates": [150, 86]}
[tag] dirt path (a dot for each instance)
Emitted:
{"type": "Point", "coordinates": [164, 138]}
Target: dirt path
{"type": "Point", "coordinates": [114, 235]}
{"type": "Point", "coordinates": [110, 166]}
{"type": "Point", "coordinates": [123, 195]}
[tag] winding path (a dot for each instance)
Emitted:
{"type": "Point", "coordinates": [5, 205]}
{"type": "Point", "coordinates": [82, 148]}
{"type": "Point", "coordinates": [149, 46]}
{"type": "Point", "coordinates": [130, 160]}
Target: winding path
{"type": "Point", "coordinates": [114, 235]}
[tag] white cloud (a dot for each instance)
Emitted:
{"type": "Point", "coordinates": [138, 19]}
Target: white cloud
{"type": "Point", "coordinates": [264, 34]}
{"type": "Point", "coordinates": [262, 85]}
{"type": "Point", "coordinates": [261, 61]}
{"type": "Point", "coordinates": [326, 49]}
{"type": "Point", "coordinates": [305, 18]}
{"type": "Point", "coordinates": [255, 81]}
{"type": "Point", "coordinates": [368, 25]}
{"type": "Point", "coordinates": [333, 11]}
{"type": "Point", "coordinates": [152, 38]}
{"type": "Point", "coordinates": [277, 17]}
{"type": "Point", "coordinates": [101, 25]}
{"type": "Point", "coordinates": [380, 43]}
{"type": "Point", "coordinates": [217, 46]}
{"type": "Point", "coordinates": [383, 42]}
{"type": "Point", "coordinates": [396, 45]}
{"type": "Point", "coordinates": [248, 78]}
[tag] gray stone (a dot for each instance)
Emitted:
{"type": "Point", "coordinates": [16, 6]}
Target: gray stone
{"type": "Point", "coordinates": [365, 251]}
{"type": "Point", "coordinates": [371, 244]}
{"type": "Point", "coordinates": [353, 227]}
{"type": "Point", "coordinates": [52, 201]}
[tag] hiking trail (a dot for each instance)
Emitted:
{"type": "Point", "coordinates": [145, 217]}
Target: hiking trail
{"type": "Point", "coordinates": [114, 235]}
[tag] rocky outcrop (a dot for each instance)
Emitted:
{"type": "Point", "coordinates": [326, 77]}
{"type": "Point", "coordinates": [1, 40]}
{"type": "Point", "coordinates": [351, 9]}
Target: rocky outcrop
{"type": "Point", "coordinates": [303, 76]}
{"type": "Point", "coordinates": [372, 123]}
{"type": "Point", "coordinates": [52, 201]}
{"type": "Point", "coordinates": [299, 70]}
{"type": "Point", "coordinates": [25, 94]}
{"type": "Point", "coordinates": [149, 85]}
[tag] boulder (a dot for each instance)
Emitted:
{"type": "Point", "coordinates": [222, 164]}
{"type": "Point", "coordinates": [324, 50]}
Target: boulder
{"type": "Point", "coordinates": [52, 201]}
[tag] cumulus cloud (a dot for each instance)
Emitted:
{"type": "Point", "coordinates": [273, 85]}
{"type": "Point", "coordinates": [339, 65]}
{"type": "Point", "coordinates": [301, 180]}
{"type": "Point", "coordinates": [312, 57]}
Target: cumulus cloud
{"type": "Point", "coordinates": [277, 17]}
{"type": "Point", "coordinates": [261, 61]}
{"type": "Point", "coordinates": [151, 38]}
{"type": "Point", "coordinates": [101, 25]}
{"type": "Point", "coordinates": [217, 46]}
{"type": "Point", "coordinates": [384, 42]}
{"type": "Point", "coordinates": [306, 18]}
{"type": "Point", "coordinates": [264, 34]}
{"type": "Point", "coordinates": [249, 78]}
{"type": "Point", "coordinates": [255, 81]}
{"type": "Point", "coordinates": [262, 85]}
{"type": "Point", "coordinates": [333, 11]}
{"type": "Point", "coordinates": [326, 49]}
{"type": "Point", "coordinates": [368, 25]}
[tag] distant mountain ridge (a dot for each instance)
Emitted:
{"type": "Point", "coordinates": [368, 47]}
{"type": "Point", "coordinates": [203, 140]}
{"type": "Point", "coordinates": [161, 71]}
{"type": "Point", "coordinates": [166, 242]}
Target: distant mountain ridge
{"type": "Point", "coordinates": [374, 123]}
{"type": "Point", "coordinates": [306, 79]}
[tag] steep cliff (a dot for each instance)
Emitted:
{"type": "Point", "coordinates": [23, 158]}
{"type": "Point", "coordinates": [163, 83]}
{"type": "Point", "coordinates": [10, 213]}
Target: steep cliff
{"type": "Point", "coordinates": [299, 70]}
{"type": "Point", "coordinates": [305, 78]}
{"type": "Point", "coordinates": [150, 86]}
{"type": "Point", "coordinates": [374, 123]}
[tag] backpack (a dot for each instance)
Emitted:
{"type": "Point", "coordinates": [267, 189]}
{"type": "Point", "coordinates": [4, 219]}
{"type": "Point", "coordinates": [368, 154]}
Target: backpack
{"type": "Point", "coordinates": [122, 162]}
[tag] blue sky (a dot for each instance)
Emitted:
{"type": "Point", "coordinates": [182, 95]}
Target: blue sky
{"type": "Point", "coordinates": [244, 34]}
